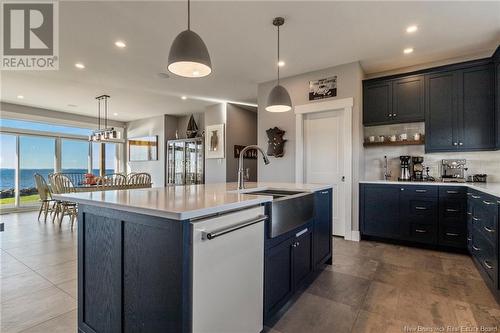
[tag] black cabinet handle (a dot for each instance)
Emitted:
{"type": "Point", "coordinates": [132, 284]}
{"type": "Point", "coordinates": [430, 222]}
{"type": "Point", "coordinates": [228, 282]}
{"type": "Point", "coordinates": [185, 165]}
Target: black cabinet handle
{"type": "Point", "coordinates": [476, 196]}
{"type": "Point", "coordinates": [295, 244]}
{"type": "Point", "coordinates": [460, 143]}
{"type": "Point", "coordinates": [475, 218]}
{"type": "Point", "coordinates": [451, 234]}
{"type": "Point", "coordinates": [488, 202]}
{"type": "Point", "coordinates": [487, 264]}
{"type": "Point", "coordinates": [489, 230]}
{"type": "Point", "coordinates": [324, 192]}
{"type": "Point", "coordinates": [421, 231]}
{"type": "Point", "coordinates": [476, 248]}
{"type": "Point", "coordinates": [421, 191]}
{"type": "Point", "coordinates": [420, 208]}
{"type": "Point", "coordinates": [452, 192]}
{"type": "Point", "coordinates": [451, 210]}
{"type": "Point", "coordinates": [469, 213]}
{"type": "Point", "coordinates": [455, 143]}
{"type": "Point", "coordinates": [469, 238]}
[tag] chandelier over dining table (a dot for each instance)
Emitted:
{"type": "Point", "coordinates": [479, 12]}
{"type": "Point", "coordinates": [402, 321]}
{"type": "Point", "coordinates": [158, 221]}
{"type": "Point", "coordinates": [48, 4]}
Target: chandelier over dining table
{"type": "Point", "coordinates": [103, 132]}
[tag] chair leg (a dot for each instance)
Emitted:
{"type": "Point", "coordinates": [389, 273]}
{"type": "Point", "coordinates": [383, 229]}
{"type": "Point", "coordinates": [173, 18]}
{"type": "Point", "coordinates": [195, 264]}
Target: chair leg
{"type": "Point", "coordinates": [47, 207]}
{"type": "Point", "coordinates": [73, 217]}
{"type": "Point", "coordinates": [62, 215]}
{"type": "Point", "coordinates": [42, 208]}
{"type": "Point", "coordinates": [55, 213]}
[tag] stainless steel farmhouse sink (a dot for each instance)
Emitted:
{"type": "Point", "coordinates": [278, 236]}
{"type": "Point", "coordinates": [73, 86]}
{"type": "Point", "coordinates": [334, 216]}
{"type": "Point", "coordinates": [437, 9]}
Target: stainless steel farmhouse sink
{"type": "Point", "coordinates": [289, 210]}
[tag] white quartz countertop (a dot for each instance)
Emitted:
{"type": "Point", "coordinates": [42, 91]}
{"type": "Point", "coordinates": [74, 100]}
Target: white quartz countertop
{"type": "Point", "coordinates": [185, 202]}
{"type": "Point", "coordinates": [488, 188]}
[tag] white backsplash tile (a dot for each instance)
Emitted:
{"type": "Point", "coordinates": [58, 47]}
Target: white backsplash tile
{"type": "Point", "coordinates": [477, 162]}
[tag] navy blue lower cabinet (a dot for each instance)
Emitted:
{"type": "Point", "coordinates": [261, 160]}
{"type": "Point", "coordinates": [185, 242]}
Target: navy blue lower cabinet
{"type": "Point", "coordinates": [453, 216]}
{"type": "Point", "coordinates": [322, 228]}
{"type": "Point", "coordinates": [287, 266]}
{"type": "Point", "coordinates": [419, 213]}
{"type": "Point", "coordinates": [379, 210]}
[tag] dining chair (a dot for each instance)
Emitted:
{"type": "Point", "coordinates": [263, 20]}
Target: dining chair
{"type": "Point", "coordinates": [48, 205]}
{"type": "Point", "coordinates": [140, 180]}
{"type": "Point", "coordinates": [114, 180]}
{"type": "Point", "coordinates": [62, 184]}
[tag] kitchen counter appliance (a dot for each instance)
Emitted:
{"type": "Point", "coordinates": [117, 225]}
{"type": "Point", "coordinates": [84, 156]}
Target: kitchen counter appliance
{"type": "Point", "coordinates": [417, 168]}
{"type": "Point", "coordinates": [453, 170]}
{"type": "Point", "coordinates": [405, 168]}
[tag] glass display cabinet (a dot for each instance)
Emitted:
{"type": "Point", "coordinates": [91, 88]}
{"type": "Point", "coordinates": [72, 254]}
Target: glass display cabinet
{"type": "Point", "coordinates": [185, 161]}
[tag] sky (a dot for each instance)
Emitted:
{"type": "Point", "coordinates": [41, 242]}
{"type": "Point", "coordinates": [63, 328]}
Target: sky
{"type": "Point", "coordinates": [38, 152]}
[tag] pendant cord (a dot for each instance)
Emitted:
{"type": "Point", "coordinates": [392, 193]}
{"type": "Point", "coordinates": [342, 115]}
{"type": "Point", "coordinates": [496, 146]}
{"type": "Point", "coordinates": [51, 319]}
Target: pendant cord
{"type": "Point", "coordinates": [105, 112]}
{"type": "Point", "coordinates": [189, 15]}
{"type": "Point", "coordinates": [278, 55]}
{"type": "Point", "coordinates": [98, 114]}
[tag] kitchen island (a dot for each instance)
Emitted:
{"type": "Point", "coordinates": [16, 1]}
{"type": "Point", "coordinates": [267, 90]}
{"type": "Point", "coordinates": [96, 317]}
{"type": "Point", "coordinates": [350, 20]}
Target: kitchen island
{"type": "Point", "coordinates": [197, 258]}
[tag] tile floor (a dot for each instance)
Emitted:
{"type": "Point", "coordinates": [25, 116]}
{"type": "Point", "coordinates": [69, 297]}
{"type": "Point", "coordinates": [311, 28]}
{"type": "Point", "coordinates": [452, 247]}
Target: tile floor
{"type": "Point", "coordinates": [371, 287]}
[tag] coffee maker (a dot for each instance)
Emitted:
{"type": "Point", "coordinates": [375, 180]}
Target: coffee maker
{"type": "Point", "coordinates": [417, 168]}
{"type": "Point", "coordinates": [405, 168]}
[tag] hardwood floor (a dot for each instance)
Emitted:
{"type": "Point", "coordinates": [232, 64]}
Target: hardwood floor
{"type": "Point", "coordinates": [371, 287]}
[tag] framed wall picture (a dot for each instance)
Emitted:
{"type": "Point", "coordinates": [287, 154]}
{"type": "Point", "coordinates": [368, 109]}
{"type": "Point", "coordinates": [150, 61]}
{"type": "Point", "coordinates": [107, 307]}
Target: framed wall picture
{"type": "Point", "coordinates": [215, 141]}
{"type": "Point", "coordinates": [143, 148]}
{"type": "Point", "coordinates": [323, 88]}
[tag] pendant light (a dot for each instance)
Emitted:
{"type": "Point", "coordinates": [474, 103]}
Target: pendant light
{"type": "Point", "coordinates": [103, 132]}
{"type": "Point", "coordinates": [188, 55]}
{"type": "Point", "coordinates": [279, 99]}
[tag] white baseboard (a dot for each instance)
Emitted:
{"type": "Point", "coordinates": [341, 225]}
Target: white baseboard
{"type": "Point", "coordinates": [355, 236]}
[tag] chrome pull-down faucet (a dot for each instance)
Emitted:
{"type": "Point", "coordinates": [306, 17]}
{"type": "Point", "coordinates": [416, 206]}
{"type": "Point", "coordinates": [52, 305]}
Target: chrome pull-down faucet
{"type": "Point", "coordinates": [241, 179]}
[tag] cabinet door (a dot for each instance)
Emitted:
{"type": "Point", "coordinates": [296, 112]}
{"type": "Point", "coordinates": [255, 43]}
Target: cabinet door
{"type": "Point", "coordinates": [322, 241]}
{"type": "Point", "coordinates": [497, 98]}
{"type": "Point", "coordinates": [440, 115]}
{"type": "Point", "coordinates": [278, 285]}
{"type": "Point", "coordinates": [380, 210]}
{"type": "Point", "coordinates": [302, 257]}
{"type": "Point", "coordinates": [476, 109]}
{"type": "Point", "coordinates": [419, 213]}
{"type": "Point", "coordinates": [377, 103]}
{"type": "Point", "coordinates": [408, 99]}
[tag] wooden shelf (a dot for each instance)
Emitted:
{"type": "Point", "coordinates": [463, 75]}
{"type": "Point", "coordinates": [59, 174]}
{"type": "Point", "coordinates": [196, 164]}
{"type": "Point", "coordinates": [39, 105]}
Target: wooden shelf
{"type": "Point", "coordinates": [394, 143]}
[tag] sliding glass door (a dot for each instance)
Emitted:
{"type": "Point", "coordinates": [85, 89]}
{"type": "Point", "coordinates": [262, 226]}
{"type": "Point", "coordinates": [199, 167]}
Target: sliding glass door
{"type": "Point", "coordinates": [36, 155]}
{"type": "Point", "coordinates": [74, 156]}
{"type": "Point", "coordinates": [8, 167]}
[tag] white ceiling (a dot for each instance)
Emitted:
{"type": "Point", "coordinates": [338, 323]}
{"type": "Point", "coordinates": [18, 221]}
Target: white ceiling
{"type": "Point", "coordinates": [242, 45]}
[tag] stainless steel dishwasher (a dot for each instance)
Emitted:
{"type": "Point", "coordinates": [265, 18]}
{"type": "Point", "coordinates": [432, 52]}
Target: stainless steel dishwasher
{"type": "Point", "coordinates": [228, 272]}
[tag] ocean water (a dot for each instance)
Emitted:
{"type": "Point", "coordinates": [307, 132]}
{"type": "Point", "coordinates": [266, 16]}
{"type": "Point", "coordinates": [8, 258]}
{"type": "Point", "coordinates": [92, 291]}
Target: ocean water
{"type": "Point", "coordinates": [7, 176]}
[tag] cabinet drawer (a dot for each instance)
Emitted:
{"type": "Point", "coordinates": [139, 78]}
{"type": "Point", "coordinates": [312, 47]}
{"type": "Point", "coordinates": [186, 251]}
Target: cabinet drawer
{"type": "Point", "coordinates": [423, 233]}
{"type": "Point", "coordinates": [485, 218]}
{"type": "Point", "coordinates": [452, 236]}
{"type": "Point", "coordinates": [422, 209]}
{"type": "Point", "coordinates": [452, 192]}
{"type": "Point", "coordinates": [420, 191]}
{"type": "Point", "coordinates": [484, 253]}
{"type": "Point", "coordinates": [453, 208]}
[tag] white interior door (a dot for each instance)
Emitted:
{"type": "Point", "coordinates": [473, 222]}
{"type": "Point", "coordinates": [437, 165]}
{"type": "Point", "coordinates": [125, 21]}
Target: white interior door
{"type": "Point", "coordinates": [324, 159]}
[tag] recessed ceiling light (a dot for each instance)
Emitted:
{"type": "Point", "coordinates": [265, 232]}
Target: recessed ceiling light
{"type": "Point", "coordinates": [408, 50]}
{"type": "Point", "coordinates": [115, 113]}
{"type": "Point", "coordinates": [184, 97]}
{"type": "Point", "coordinates": [79, 65]}
{"type": "Point", "coordinates": [281, 63]}
{"type": "Point", "coordinates": [20, 96]}
{"type": "Point", "coordinates": [411, 29]}
{"type": "Point", "coordinates": [121, 44]}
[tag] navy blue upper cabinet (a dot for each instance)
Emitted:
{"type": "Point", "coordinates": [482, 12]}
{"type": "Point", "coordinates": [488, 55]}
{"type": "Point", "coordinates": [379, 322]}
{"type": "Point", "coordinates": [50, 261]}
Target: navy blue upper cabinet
{"type": "Point", "coordinates": [377, 103]}
{"type": "Point", "coordinates": [440, 116]}
{"type": "Point", "coordinates": [496, 62]}
{"type": "Point", "coordinates": [476, 108]}
{"type": "Point", "coordinates": [393, 101]}
{"type": "Point", "coordinates": [408, 99]}
{"type": "Point", "coordinates": [459, 110]}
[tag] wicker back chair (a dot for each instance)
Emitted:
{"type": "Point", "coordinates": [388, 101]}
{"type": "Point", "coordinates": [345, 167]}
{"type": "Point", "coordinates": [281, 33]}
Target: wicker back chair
{"type": "Point", "coordinates": [138, 180]}
{"type": "Point", "coordinates": [114, 180]}
{"type": "Point", "coordinates": [61, 183]}
{"type": "Point", "coordinates": [76, 178]}
{"type": "Point", "coordinates": [47, 203]}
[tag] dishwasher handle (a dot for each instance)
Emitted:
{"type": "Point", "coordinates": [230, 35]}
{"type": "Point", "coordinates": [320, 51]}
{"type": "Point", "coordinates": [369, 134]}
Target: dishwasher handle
{"type": "Point", "coordinates": [244, 224]}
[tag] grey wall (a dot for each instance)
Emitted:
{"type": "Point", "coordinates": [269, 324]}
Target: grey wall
{"type": "Point", "coordinates": [349, 84]}
{"type": "Point", "coordinates": [162, 126]}
{"type": "Point", "coordinates": [241, 130]}
{"type": "Point", "coordinates": [182, 123]}
{"type": "Point", "coordinates": [215, 169]}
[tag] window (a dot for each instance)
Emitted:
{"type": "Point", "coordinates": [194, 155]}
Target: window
{"type": "Point", "coordinates": [110, 160]}
{"type": "Point", "coordinates": [35, 126]}
{"type": "Point", "coordinates": [36, 155]}
{"type": "Point", "coordinates": [74, 156]}
{"type": "Point", "coordinates": [7, 170]}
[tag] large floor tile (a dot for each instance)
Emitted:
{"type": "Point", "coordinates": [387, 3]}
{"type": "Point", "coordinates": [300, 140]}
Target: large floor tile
{"type": "Point", "coordinates": [65, 323]}
{"type": "Point", "coordinates": [21, 284]}
{"type": "Point", "coordinates": [314, 314]}
{"type": "Point", "coordinates": [368, 322]}
{"type": "Point", "coordinates": [69, 287]}
{"type": "Point", "coordinates": [381, 299]}
{"type": "Point", "coordinates": [29, 310]}
{"type": "Point", "coordinates": [11, 266]}
{"type": "Point", "coordinates": [362, 267]}
{"type": "Point", "coordinates": [60, 272]}
{"type": "Point", "coordinates": [341, 288]}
